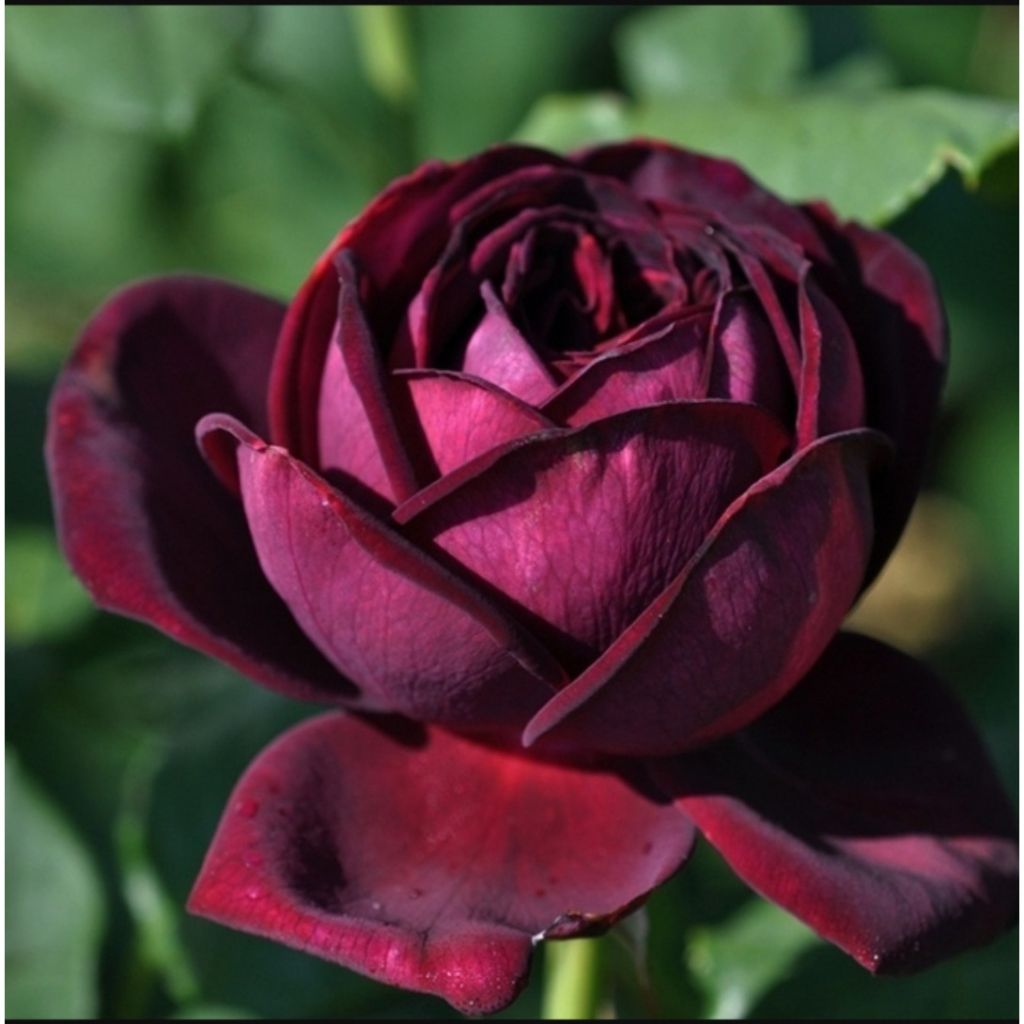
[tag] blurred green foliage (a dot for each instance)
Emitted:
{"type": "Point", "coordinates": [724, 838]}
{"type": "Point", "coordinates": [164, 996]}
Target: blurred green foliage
{"type": "Point", "coordinates": [236, 141]}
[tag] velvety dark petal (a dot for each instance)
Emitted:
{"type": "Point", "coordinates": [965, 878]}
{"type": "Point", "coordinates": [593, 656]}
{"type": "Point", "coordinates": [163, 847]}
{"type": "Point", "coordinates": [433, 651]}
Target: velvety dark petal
{"type": "Point", "coordinates": [345, 440]}
{"type": "Point", "coordinates": [396, 240]}
{"type": "Point", "coordinates": [746, 363]}
{"type": "Point", "coordinates": [831, 386]}
{"type": "Point", "coordinates": [865, 805]}
{"type": "Point", "coordinates": [461, 417]}
{"type": "Point", "coordinates": [583, 528]}
{"type": "Point", "coordinates": [416, 639]}
{"type": "Point", "coordinates": [427, 861]}
{"type": "Point", "coordinates": [668, 365]}
{"type": "Point", "coordinates": [143, 522]}
{"type": "Point", "coordinates": [656, 170]}
{"type": "Point", "coordinates": [897, 318]}
{"type": "Point", "coordinates": [497, 352]}
{"type": "Point", "coordinates": [368, 377]}
{"type": "Point", "coordinates": [765, 290]}
{"type": "Point", "coordinates": [741, 624]}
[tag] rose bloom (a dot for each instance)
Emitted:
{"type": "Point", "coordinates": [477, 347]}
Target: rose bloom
{"type": "Point", "coordinates": [556, 479]}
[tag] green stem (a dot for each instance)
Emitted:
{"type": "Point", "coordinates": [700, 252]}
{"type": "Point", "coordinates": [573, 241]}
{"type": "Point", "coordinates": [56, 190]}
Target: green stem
{"type": "Point", "coordinates": [572, 980]}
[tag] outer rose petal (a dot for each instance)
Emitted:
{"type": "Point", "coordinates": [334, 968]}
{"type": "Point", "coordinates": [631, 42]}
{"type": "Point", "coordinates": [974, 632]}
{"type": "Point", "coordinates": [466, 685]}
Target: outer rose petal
{"type": "Point", "coordinates": [865, 805]}
{"type": "Point", "coordinates": [414, 637]}
{"type": "Point", "coordinates": [741, 624]}
{"type": "Point", "coordinates": [900, 327]}
{"type": "Point", "coordinates": [582, 527]}
{"type": "Point", "coordinates": [143, 523]}
{"type": "Point", "coordinates": [427, 861]}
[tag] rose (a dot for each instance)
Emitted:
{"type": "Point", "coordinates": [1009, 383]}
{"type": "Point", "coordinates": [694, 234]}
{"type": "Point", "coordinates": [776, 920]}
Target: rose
{"type": "Point", "coordinates": [559, 475]}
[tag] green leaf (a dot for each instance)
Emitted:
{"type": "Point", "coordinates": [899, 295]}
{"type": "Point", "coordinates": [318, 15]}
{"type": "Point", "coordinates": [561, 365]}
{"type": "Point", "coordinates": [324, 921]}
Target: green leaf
{"type": "Point", "coordinates": [870, 156]}
{"type": "Point", "coordinates": [213, 1011]}
{"type": "Point", "coordinates": [314, 57]}
{"type": "Point", "coordinates": [568, 122]}
{"type": "Point", "coordinates": [959, 46]}
{"type": "Point", "coordinates": [742, 958]}
{"type": "Point", "coordinates": [711, 52]}
{"type": "Point", "coordinates": [267, 194]}
{"type": "Point", "coordinates": [54, 909]}
{"type": "Point", "coordinates": [43, 598]}
{"type": "Point", "coordinates": [80, 210]}
{"type": "Point", "coordinates": [134, 68]}
{"type": "Point", "coordinates": [383, 33]}
{"type": "Point", "coordinates": [866, 71]}
{"type": "Point", "coordinates": [480, 68]}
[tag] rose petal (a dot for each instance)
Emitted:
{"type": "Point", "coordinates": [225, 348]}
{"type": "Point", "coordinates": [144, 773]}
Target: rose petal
{"type": "Point", "coordinates": [497, 352]}
{"type": "Point", "coordinates": [141, 519]}
{"type": "Point", "coordinates": [416, 639]}
{"type": "Point", "coordinates": [396, 239]}
{"type": "Point", "coordinates": [740, 624]}
{"type": "Point", "coordinates": [747, 365]}
{"type": "Point", "coordinates": [348, 452]}
{"type": "Point", "coordinates": [668, 365]}
{"type": "Point", "coordinates": [427, 861]}
{"type": "Point", "coordinates": [657, 170]}
{"type": "Point", "coordinates": [831, 386]}
{"type": "Point", "coordinates": [462, 417]}
{"type": "Point", "coordinates": [369, 380]}
{"type": "Point", "coordinates": [582, 528]}
{"type": "Point", "coordinates": [901, 333]}
{"type": "Point", "coordinates": [865, 805]}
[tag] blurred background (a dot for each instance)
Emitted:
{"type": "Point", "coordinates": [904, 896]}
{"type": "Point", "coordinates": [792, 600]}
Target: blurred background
{"type": "Point", "coordinates": [235, 141]}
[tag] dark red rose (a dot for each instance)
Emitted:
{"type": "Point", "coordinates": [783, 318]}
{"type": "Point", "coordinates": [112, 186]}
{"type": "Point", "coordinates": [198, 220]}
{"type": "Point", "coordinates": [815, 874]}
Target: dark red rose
{"type": "Point", "coordinates": [558, 475]}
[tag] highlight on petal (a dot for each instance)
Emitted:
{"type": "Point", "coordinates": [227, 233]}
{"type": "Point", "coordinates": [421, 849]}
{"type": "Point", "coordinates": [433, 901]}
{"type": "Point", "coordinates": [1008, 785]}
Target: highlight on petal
{"type": "Point", "coordinates": [498, 352]}
{"type": "Point", "coordinates": [415, 638]}
{"type": "Point", "coordinates": [580, 529]}
{"type": "Point", "coordinates": [427, 861]}
{"type": "Point", "coordinates": [141, 519]}
{"type": "Point", "coordinates": [740, 624]}
{"type": "Point", "coordinates": [863, 803]}
{"type": "Point", "coordinates": [462, 417]}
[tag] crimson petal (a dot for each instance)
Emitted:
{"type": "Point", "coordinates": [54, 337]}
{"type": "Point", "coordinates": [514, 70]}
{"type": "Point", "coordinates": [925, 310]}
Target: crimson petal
{"type": "Point", "coordinates": [396, 239]}
{"type": "Point", "coordinates": [657, 170]}
{"type": "Point", "coordinates": [142, 521]}
{"type": "Point", "coordinates": [462, 417]}
{"type": "Point", "coordinates": [582, 527]}
{"type": "Point", "coordinates": [667, 365]}
{"type": "Point", "coordinates": [831, 386]}
{"type": "Point", "coordinates": [746, 363]}
{"type": "Point", "coordinates": [498, 352]}
{"type": "Point", "coordinates": [902, 337]}
{"type": "Point", "coordinates": [740, 624]}
{"type": "Point", "coordinates": [367, 598]}
{"type": "Point", "coordinates": [865, 805]}
{"type": "Point", "coordinates": [427, 861]}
